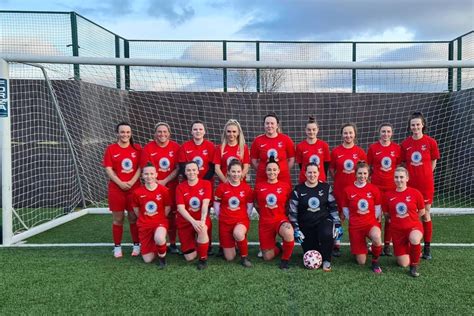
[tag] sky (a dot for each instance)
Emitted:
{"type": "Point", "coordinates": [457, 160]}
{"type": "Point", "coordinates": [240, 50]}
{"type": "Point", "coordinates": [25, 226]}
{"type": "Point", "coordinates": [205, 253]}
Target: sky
{"type": "Point", "coordinates": [318, 20]}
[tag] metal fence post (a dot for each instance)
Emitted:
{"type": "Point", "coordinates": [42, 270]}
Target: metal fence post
{"type": "Point", "coordinates": [257, 54]}
{"type": "Point", "coordinates": [126, 54]}
{"type": "Point", "coordinates": [75, 44]}
{"type": "Point", "coordinates": [450, 70]}
{"type": "Point", "coordinates": [354, 73]}
{"type": "Point", "coordinates": [459, 74]}
{"type": "Point", "coordinates": [118, 79]}
{"type": "Point", "coordinates": [224, 70]}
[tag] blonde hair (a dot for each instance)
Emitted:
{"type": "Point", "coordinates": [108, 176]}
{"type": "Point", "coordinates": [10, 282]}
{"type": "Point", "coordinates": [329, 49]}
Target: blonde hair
{"type": "Point", "coordinates": [162, 124]}
{"type": "Point", "coordinates": [402, 169]}
{"type": "Point", "coordinates": [240, 140]}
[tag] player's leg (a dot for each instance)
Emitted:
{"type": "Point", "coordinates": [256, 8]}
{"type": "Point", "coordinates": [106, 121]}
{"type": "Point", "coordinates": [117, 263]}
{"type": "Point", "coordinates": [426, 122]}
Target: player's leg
{"type": "Point", "coordinates": [415, 237]}
{"type": "Point", "coordinates": [336, 252]}
{"type": "Point", "coordinates": [160, 241]}
{"type": "Point", "coordinates": [375, 235]}
{"type": "Point", "coordinates": [149, 249]}
{"type": "Point", "coordinates": [401, 248]}
{"type": "Point", "coordinates": [387, 237]}
{"type": "Point", "coordinates": [227, 241]}
{"type": "Point", "coordinates": [325, 232]}
{"type": "Point", "coordinates": [287, 234]}
{"type": "Point", "coordinates": [427, 228]}
{"type": "Point", "coordinates": [187, 237]}
{"type": "Point", "coordinates": [240, 236]}
{"type": "Point", "coordinates": [358, 245]}
{"type": "Point", "coordinates": [117, 204]}
{"type": "Point", "coordinates": [172, 231]}
{"type": "Point", "coordinates": [267, 238]}
{"type": "Point", "coordinates": [203, 245]}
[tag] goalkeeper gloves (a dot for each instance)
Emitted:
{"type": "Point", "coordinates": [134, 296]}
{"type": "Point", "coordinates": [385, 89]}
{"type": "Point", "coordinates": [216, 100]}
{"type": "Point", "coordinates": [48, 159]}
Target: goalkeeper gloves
{"type": "Point", "coordinates": [299, 237]}
{"type": "Point", "coordinates": [338, 232]}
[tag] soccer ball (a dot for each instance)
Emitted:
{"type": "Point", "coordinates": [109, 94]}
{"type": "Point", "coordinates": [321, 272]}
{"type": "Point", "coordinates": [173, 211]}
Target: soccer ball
{"type": "Point", "coordinates": [312, 259]}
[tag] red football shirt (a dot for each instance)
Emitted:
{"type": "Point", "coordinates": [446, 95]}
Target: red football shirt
{"type": "Point", "coordinates": [272, 199]}
{"type": "Point", "coordinates": [418, 155]}
{"type": "Point", "coordinates": [192, 198]}
{"type": "Point", "coordinates": [151, 204]}
{"type": "Point", "coordinates": [281, 148]}
{"type": "Point", "coordinates": [343, 162]}
{"type": "Point", "coordinates": [317, 153]}
{"type": "Point", "coordinates": [361, 203]}
{"type": "Point", "coordinates": [223, 158]}
{"type": "Point", "coordinates": [202, 154]}
{"type": "Point", "coordinates": [124, 162]}
{"type": "Point", "coordinates": [165, 159]}
{"type": "Point", "coordinates": [233, 201]}
{"type": "Point", "coordinates": [384, 161]}
{"type": "Point", "coordinates": [403, 207]}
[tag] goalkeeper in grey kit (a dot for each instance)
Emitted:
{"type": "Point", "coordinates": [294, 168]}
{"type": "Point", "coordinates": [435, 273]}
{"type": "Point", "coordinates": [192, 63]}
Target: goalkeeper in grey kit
{"type": "Point", "coordinates": [313, 214]}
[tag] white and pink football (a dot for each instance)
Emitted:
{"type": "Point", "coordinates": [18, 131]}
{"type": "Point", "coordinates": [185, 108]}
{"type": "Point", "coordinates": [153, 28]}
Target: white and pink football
{"type": "Point", "coordinates": [312, 259]}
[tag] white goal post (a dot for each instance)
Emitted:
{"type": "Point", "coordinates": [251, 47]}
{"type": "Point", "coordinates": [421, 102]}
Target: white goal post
{"type": "Point", "coordinates": [74, 170]}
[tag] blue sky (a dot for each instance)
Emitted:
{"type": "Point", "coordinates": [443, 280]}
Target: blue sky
{"type": "Point", "coordinates": [337, 20]}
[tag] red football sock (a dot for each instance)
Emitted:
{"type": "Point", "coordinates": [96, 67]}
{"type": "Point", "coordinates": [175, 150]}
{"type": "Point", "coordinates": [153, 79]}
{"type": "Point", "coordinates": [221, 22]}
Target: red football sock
{"type": "Point", "coordinates": [243, 247]}
{"type": "Point", "coordinates": [117, 232]}
{"type": "Point", "coordinates": [287, 249]}
{"type": "Point", "coordinates": [202, 250]}
{"type": "Point", "coordinates": [387, 235]}
{"type": "Point", "coordinates": [428, 228]}
{"type": "Point", "coordinates": [134, 233]}
{"type": "Point", "coordinates": [161, 250]}
{"type": "Point", "coordinates": [376, 251]}
{"type": "Point", "coordinates": [415, 252]}
{"type": "Point", "coordinates": [276, 251]}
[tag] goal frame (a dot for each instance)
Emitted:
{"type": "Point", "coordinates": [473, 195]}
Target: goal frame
{"type": "Point", "coordinates": [9, 239]}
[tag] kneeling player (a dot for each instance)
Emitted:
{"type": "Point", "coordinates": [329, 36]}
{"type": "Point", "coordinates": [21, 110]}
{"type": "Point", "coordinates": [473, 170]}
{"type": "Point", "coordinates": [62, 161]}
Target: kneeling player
{"type": "Point", "coordinates": [192, 199]}
{"type": "Point", "coordinates": [405, 206]}
{"type": "Point", "coordinates": [233, 205]}
{"type": "Point", "coordinates": [314, 216]}
{"type": "Point", "coordinates": [272, 197]}
{"type": "Point", "coordinates": [362, 206]}
{"type": "Point", "coordinates": [151, 203]}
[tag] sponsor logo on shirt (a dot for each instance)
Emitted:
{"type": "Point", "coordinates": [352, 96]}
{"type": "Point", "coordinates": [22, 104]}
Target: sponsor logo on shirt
{"type": "Point", "coordinates": [234, 203]}
{"type": "Point", "coordinates": [272, 153]}
{"type": "Point", "coordinates": [151, 208]}
{"type": "Point", "coordinates": [348, 166]}
{"type": "Point", "coordinates": [127, 165]}
{"type": "Point", "coordinates": [401, 209]}
{"type": "Point", "coordinates": [386, 164]}
{"type": "Point", "coordinates": [199, 161]}
{"type": "Point", "coordinates": [313, 204]}
{"type": "Point", "coordinates": [271, 200]}
{"type": "Point", "coordinates": [194, 204]}
{"type": "Point", "coordinates": [164, 164]}
{"type": "Point", "coordinates": [416, 158]}
{"type": "Point", "coordinates": [363, 206]}
{"type": "Point", "coordinates": [314, 159]}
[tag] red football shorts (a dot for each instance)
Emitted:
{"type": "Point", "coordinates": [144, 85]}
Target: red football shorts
{"type": "Point", "coordinates": [357, 238]}
{"type": "Point", "coordinates": [146, 235]}
{"type": "Point", "coordinates": [187, 235]}
{"type": "Point", "coordinates": [400, 240]}
{"type": "Point", "coordinates": [120, 201]}
{"type": "Point", "coordinates": [267, 233]}
{"type": "Point", "coordinates": [226, 233]}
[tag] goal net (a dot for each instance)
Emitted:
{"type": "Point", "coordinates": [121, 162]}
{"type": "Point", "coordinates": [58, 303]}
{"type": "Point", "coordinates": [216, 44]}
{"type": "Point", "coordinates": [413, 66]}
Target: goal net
{"type": "Point", "coordinates": [62, 117]}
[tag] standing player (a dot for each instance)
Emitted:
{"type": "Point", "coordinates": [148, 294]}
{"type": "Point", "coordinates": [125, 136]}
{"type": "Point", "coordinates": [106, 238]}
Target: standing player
{"type": "Point", "coordinates": [314, 216]}
{"type": "Point", "coordinates": [420, 153]}
{"type": "Point", "coordinates": [121, 162]}
{"type": "Point", "coordinates": [272, 197]}
{"type": "Point", "coordinates": [192, 198]}
{"type": "Point", "coordinates": [151, 203]}
{"type": "Point", "coordinates": [233, 205]}
{"type": "Point", "coordinates": [383, 157]}
{"type": "Point", "coordinates": [232, 147]}
{"type": "Point", "coordinates": [162, 153]}
{"type": "Point", "coordinates": [313, 150]}
{"type": "Point", "coordinates": [343, 161]}
{"type": "Point", "coordinates": [404, 206]}
{"type": "Point", "coordinates": [275, 145]}
{"type": "Point", "coordinates": [201, 151]}
{"type": "Point", "coordinates": [362, 207]}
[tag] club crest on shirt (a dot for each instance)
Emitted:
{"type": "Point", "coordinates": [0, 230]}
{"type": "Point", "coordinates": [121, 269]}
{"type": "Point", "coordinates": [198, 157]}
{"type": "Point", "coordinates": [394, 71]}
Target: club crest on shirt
{"type": "Point", "coordinates": [151, 208]}
{"type": "Point", "coordinates": [134, 155]}
{"type": "Point", "coordinates": [369, 195]}
{"type": "Point", "coordinates": [320, 151]}
{"type": "Point", "coordinates": [158, 197]}
{"type": "Point", "coordinates": [348, 166]}
{"type": "Point", "coordinates": [201, 192]}
{"type": "Point", "coordinates": [392, 153]}
{"type": "Point", "coordinates": [423, 147]}
{"type": "Point", "coordinates": [234, 203]}
{"type": "Point", "coordinates": [363, 206]}
{"type": "Point", "coordinates": [280, 144]}
{"type": "Point", "coordinates": [171, 153]}
{"type": "Point", "coordinates": [401, 209]}
{"type": "Point", "coordinates": [164, 164]}
{"type": "Point", "coordinates": [321, 192]}
{"type": "Point", "coordinates": [416, 158]}
{"type": "Point", "coordinates": [204, 152]}
{"type": "Point", "coordinates": [355, 156]}
{"type": "Point", "coordinates": [271, 200]}
{"type": "Point", "coordinates": [313, 204]}
{"type": "Point", "coordinates": [127, 165]}
{"type": "Point", "coordinates": [199, 161]}
{"type": "Point", "coordinates": [408, 198]}
{"type": "Point", "coordinates": [386, 164]}
{"type": "Point", "coordinates": [194, 204]}
{"type": "Point", "coordinates": [279, 190]}
{"type": "Point", "coordinates": [242, 193]}
{"type": "Point", "coordinates": [314, 159]}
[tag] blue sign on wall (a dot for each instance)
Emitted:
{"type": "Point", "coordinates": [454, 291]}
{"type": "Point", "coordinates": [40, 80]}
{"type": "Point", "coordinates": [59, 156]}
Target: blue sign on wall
{"type": "Point", "coordinates": [3, 97]}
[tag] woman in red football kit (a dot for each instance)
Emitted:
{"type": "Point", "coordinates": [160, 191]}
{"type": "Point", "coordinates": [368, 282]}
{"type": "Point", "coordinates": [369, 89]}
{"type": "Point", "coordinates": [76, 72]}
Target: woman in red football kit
{"type": "Point", "coordinates": [151, 204]}
{"type": "Point", "coordinates": [233, 205]}
{"type": "Point", "coordinates": [232, 147]}
{"type": "Point", "coordinates": [362, 207]}
{"type": "Point", "coordinates": [313, 150]}
{"type": "Point", "coordinates": [201, 151]}
{"type": "Point", "coordinates": [273, 144]}
{"type": "Point", "coordinates": [121, 162]}
{"type": "Point", "coordinates": [272, 198]}
{"type": "Point", "coordinates": [404, 206]}
{"type": "Point", "coordinates": [420, 153]}
{"type": "Point", "coordinates": [162, 152]}
{"type": "Point", "coordinates": [342, 168]}
{"type": "Point", "coordinates": [383, 157]}
{"type": "Point", "coordinates": [192, 199]}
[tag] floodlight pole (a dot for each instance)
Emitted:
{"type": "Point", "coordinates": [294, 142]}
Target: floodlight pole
{"type": "Point", "coordinates": [6, 152]}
